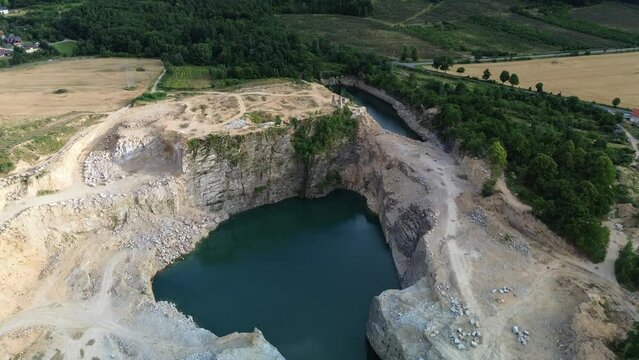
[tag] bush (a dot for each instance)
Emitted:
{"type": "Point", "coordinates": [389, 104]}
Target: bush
{"type": "Point", "coordinates": [489, 187]}
{"type": "Point", "coordinates": [628, 349]}
{"type": "Point", "coordinates": [150, 97]}
{"type": "Point", "coordinates": [316, 136]}
{"type": "Point", "coordinates": [627, 267]}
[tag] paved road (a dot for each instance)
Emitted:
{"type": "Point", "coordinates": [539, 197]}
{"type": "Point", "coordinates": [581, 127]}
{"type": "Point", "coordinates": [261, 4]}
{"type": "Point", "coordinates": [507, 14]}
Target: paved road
{"type": "Point", "coordinates": [413, 65]}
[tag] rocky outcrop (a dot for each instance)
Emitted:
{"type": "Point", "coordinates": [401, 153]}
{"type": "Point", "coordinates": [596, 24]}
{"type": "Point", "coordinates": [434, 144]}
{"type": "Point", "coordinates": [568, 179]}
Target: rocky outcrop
{"type": "Point", "coordinates": [262, 168]}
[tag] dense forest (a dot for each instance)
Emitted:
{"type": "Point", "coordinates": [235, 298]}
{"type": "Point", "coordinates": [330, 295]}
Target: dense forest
{"type": "Point", "coordinates": [344, 7]}
{"type": "Point", "coordinates": [239, 36]}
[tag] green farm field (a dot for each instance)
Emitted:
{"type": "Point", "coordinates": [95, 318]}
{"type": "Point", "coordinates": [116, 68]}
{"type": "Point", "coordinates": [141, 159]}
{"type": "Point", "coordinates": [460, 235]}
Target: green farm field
{"type": "Point", "coordinates": [187, 78]}
{"type": "Point", "coordinates": [66, 47]}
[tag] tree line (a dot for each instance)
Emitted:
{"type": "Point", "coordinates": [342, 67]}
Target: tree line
{"type": "Point", "coordinates": [558, 158]}
{"type": "Point", "coordinates": [239, 37]}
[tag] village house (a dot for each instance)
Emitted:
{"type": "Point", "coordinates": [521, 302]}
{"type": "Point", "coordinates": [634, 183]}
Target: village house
{"type": "Point", "coordinates": [13, 40]}
{"type": "Point", "coordinates": [634, 117]}
{"type": "Point", "coordinates": [31, 48]}
{"type": "Point", "coordinates": [5, 52]}
{"type": "Point", "coordinates": [4, 10]}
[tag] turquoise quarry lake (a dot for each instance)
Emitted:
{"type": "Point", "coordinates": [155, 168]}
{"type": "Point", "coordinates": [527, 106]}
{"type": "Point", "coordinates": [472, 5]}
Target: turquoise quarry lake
{"type": "Point", "coordinates": [381, 111]}
{"type": "Point", "coordinates": [303, 271]}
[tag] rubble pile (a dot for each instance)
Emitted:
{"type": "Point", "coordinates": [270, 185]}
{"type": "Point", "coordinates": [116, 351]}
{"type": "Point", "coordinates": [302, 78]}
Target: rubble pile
{"type": "Point", "coordinates": [516, 243]}
{"type": "Point", "coordinates": [237, 124]}
{"type": "Point", "coordinates": [170, 241]}
{"type": "Point", "coordinates": [502, 290]}
{"type": "Point", "coordinates": [457, 307]}
{"type": "Point", "coordinates": [464, 338]}
{"type": "Point", "coordinates": [522, 335]}
{"type": "Point", "coordinates": [477, 216]}
{"type": "Point", "coordinates": [99, 169]}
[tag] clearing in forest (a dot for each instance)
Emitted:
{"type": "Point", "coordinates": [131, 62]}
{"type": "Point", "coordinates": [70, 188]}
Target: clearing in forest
{"type": "Point", "coordinates": [60, 87]}
{"type": "Point", "coordinates": [598, 78]}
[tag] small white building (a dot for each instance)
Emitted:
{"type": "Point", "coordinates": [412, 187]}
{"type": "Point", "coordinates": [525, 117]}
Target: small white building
{"type": "Point", "coordinates": [4, 10]}
{"type": "Point", "coordinates": [31, 48]}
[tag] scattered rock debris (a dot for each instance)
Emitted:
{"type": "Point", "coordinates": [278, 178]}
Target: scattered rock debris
{"type": "Point", "coordinates": [477, 216]}
{"type": "Point", "coordinates": [237, 124]}
{"type": "Point", "coordinates": [515, 243]}
{"type": "Point", "coordinates": [99, 168]}
{"type": "Point", "coordinates": [523, 336]}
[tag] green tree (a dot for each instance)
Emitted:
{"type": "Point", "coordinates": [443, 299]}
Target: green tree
{"type": "Point", "coordinates": [540, 87]}
{"type": "Point", "coordinates": [437, 63]}
{"type": "Point", "coordinates": [451, 114]}
{"type": "Point", "coordinates": [498, 158]}
{"type": "Point", "coordinates": [404, 55]}
{"type": "Point", "coordinates": [443, 63]}
{"type": "Point", "coordinates": [627, 266]}
{"type": "Point", "coordinates": [514, 79]}
{"type": "Point", "coordinates": [616, 101]}
{"type": "Point", "coordinates": [413, 53]}
{"type": "Point", "coordinates": [504, 76]}
{"type": "Point", "coordinates": [461, 70]}
{"type": "Point", "coordinates": [628, 349]}
{"type": "Point", "coordinates": [486, 75]}
{"type": "Point", "coordinates": [543, 168]}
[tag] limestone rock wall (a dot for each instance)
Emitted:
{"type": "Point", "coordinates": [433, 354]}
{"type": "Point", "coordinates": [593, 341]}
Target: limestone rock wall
{"type": "Point", "coordinates": [264, 171]}
{"type": "Point", "coordinates": [388, 170]}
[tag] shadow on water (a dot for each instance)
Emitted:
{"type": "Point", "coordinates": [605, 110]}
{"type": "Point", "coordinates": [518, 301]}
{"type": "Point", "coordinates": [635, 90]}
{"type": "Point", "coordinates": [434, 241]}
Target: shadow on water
{"type": "Point", "coordinates": [381, 111]}
{"type": "Point", "coordinates": [304, 271]}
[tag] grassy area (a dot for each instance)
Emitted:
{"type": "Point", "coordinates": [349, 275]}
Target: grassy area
{"type": "Point", "coordinates": [66, 47]}
{"type": "Point", "coordinates": [420, 12]}
{"type": "Point", "coordinates": [149, 97]}
{"type": "Point", "coordinates": [476, 37]}
{"type": "Point", "coordinates": [563, 18]}
{"type": "Point", "coordinates": [552, 30]}
{"type": "Point", "coordinates": [633, 130]}
{"type": "Point", "coordinates": [187, 78]}
{"type": "Point", "coordinates": [30, 140]}
{"type": "Point", "coordinates": [366, 34]}
{"type": "Point", "coordinates": [459, 27]}
{"type": "Point", "coordinates": [616, 14]}
{"type": "Point", "coordinates": [399, 11]}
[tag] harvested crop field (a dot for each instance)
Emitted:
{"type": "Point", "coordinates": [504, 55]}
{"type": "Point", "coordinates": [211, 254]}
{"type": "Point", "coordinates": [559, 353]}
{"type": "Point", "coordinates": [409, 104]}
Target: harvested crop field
{"type": "Point", "coordinates": [55, 88]}
{"type": "Point", "coordinates": [598, 78]}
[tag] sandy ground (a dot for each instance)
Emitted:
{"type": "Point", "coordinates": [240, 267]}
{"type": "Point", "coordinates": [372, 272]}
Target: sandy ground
{"type": "Point", "coordinates": [94, 85]}
{"type": "Point", "coordinates": [599, 78]}
{"type": "Point", "coordinates": [212, 111]}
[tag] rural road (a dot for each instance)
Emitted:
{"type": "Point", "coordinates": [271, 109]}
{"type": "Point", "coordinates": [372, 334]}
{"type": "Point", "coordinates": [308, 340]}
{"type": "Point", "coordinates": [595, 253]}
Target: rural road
{"type": "Point", "coordinates": [413, 65]}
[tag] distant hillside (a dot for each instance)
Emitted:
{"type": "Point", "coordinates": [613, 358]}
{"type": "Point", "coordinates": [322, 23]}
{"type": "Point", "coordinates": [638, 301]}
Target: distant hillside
{"type": "Point", "coordinates": [484, 27]}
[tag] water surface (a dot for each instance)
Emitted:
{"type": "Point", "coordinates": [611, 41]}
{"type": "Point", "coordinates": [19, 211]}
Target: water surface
{"type": "Point", "coordinates": [302, 271]}
{"type": "Point", "coordinates": [381, 111]}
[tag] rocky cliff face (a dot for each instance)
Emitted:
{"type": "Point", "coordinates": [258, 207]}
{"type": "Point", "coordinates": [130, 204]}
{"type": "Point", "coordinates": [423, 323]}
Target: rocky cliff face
{"type": "Point", "coordinates": [260, 168]}
{"type": "Point", "coordinates": [263, 168]}
{"type": "Point", "coordinates": [398, 180]}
